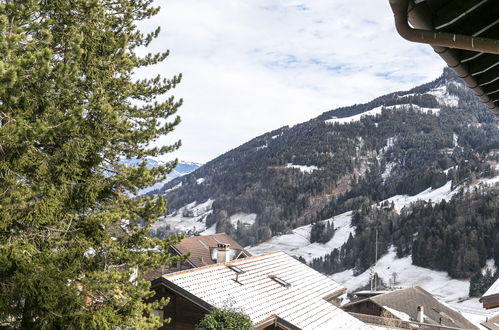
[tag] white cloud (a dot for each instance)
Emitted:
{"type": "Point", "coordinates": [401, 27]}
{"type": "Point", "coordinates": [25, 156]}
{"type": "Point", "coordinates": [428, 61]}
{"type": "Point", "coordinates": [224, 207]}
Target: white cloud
{"type": "Point", "coordinates": [250, 66]}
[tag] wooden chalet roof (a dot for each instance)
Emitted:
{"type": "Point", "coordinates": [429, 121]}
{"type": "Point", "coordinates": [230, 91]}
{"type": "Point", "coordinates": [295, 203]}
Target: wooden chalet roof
{"type": "Point", "coordinates": [407, 300]}
{"type": "Point", "coordinates": [296, 295]}
{"type": "Point", "coordinates": [202, 249]}
{"type": "Point", "coordinates": [492, 323]}
{"type": "Point", "coordinates": [490, 298]}
{"type": "Point", "coordinates": [465, 33]}
{"type": "Point", "coordinates": [493, 290]}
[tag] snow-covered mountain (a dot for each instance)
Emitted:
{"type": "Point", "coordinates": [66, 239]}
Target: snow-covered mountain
{"type": "Point", "coordinates": [358, 168]}
{"type": "Point", "coordinates": [182, 168]}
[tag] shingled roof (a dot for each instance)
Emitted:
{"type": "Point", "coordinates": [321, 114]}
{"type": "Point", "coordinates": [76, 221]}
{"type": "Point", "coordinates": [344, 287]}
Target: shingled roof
{"type": "Point", "coordinates": [407, 301]}
{"type": "Point", "coordinates": [492, 323]}
{"type": "Point", "coordinates": [465, 33]}
{"type": "Point", "coordinates": [493, 290]}
{"type": "Point", "coordinates": [268, 287]}
{"type": "Point", "coordinates": [490, 298]}
{"type": "Point", "coordinates": [202, 249]}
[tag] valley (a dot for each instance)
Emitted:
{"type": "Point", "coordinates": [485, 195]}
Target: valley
{"type": "Point", "coordinates": [379, 166]}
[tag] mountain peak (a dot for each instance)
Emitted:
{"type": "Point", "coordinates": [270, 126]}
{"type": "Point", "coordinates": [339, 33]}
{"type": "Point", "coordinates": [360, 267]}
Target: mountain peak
{"type": "Point", "coordinates": [432, 95]}
{"type": "Point", "coordinates": [448, 75]}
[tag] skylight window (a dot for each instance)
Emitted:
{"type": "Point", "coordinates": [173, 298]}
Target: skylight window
{"type": "Point", "coordinates": [203, 244]}
{"type": "Point", "coordinates": [236, 269]}
{"type": "Point", "coordinates": [437, 310]}
{"type": "Point", "coordinates": [280, 281]}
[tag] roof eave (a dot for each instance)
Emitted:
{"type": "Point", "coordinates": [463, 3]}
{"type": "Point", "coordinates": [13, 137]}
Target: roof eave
{"type": "Point", "coordinates": [443, 43]}
{"type": "Point", "coordinates": [182, 254]}
{"type": "Point", "coordinates": [182, 292]}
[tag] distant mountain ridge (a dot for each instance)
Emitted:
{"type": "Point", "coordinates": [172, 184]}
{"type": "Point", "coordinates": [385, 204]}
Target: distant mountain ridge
{"type": "Point", "coordinates": [182, 168]}
{"type": "Point", "coordinates": [400, 143]}
{"type": "Point", "coordinates": [321, 189]}
{"type": "Point", "coordinates": [434, 136]}
{"type": "Point", "coordinates": [447, 77]}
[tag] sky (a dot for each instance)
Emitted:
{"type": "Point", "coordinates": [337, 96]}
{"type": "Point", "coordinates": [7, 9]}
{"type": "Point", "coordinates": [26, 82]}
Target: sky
{"type": "Point", "coordinates": [252, 66]}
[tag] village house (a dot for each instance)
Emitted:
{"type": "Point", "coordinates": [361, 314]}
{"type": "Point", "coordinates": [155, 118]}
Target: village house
{"type": "Point", "coordinates": [201, 251]}
{"type": "Point", "coordinates": [406, 308]}
{"type": "Point", "coordinates": [275, 290]}
{"type": "Point", "coordinates": [204, 250]}
{"type": "Point", "coordinates": [490, 299]}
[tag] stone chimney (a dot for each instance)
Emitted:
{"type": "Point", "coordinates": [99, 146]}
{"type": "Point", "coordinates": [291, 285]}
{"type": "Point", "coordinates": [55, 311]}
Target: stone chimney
{"type": "Point", "coordinates": [420, 315]}
{"type": "Point", "coordinates": [223, 252]}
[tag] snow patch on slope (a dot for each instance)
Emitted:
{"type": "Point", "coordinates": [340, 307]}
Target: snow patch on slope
{"type": "Point", "coordinates": [490, 265]}
{"type": "Point", "coordinates": [303, 168]}
{"type": "Point", "coordinates": [443, 96]}
{"type": "Point", "coordinates": [435, 195]}
{"type": "Point", "coordinates": [490, 181]}
{"type": "Point", "coordinates": [173, 188]}
{"type": "Point", "coordinates": [390, 142]}
{"type": "Point", "coordinates": [244, 218]}
{"type": "Point", "coordinates": [297, 243]}
{"type": "Point", "coordinates": [445, 192]}
{"type": "Point", "coordinates": [388, 170]}
{"type": "Point", "coordinates": [210, 231]}
{"type": "Point", "coordinates": [378, 110]}
{"type": "Point", "coordinates": [415, 107]}
{"type": "Point", "coordinates": [351, 119]}
{"type": "Point", "coordinates": [189, 219]}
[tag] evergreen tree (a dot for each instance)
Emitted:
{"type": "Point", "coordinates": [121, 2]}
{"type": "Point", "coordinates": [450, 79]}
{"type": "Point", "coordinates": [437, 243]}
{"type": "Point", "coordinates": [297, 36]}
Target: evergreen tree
{"type": "Point", "coordinates": [219, 319]}
{"type": "Point", "coordinates": [73, 235]}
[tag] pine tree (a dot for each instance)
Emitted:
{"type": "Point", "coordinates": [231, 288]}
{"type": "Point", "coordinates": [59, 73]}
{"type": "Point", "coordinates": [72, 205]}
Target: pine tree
{"type": "Point", "coordinates": [72, 232]}
{"type": "Point", "coordinates": [225, 319]}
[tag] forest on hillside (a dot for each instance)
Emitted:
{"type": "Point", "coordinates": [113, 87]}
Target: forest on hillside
{"type": "Point", "coordinates": [400, 151]}
{"type": "Point", "coordinates": [455, 236]}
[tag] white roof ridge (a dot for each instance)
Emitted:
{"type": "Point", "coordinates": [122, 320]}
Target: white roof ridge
{"type": "Point", "coordinates": [300, 301]}
{"type": "Point", "coordinates": [228, 263]}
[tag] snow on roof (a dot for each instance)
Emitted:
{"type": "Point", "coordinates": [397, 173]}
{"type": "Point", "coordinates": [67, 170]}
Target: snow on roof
{"type": "Point", "coordinates": [255, 293]}
{"type": "Point", "coordinates": [401, 315]}
{"type": "Point", "coordinates": [494, 289]}
{"type": "Point", "coordinates": [407, 300]}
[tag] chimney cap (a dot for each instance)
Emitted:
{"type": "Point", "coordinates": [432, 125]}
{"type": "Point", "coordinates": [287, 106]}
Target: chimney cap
{"type": "Point", "coordinates": [223, 246]}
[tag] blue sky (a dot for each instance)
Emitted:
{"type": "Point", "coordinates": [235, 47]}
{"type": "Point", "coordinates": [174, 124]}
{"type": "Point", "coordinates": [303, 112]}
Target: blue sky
{"type": "Point", "coordinates": [251, 66]}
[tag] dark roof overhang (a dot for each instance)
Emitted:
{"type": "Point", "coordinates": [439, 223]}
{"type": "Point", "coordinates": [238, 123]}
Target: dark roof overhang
{"type": "Point", "coordinates": [465, 33]}
{"type": "Point", "coordinates": [161, 281]}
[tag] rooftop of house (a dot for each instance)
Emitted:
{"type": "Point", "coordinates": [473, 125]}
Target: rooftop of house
{"type": "Point", "coordinates": [406, 301]}
{"type": "Point", "coordinates": [492, 323]}
{"type": "Point", "coordinates": [203, 249]}
{"type": "Point", "coordinates": [490, 298]}
{"type": "Point", "coordinates": [266, 287]}
{"type": "Point", "coordinates": [493, 290]}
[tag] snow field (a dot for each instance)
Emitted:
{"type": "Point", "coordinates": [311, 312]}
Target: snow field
{"type": "Point", "coordinates": [297, 243]}
{"type": "Point", "coordinates": [303, 168]}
